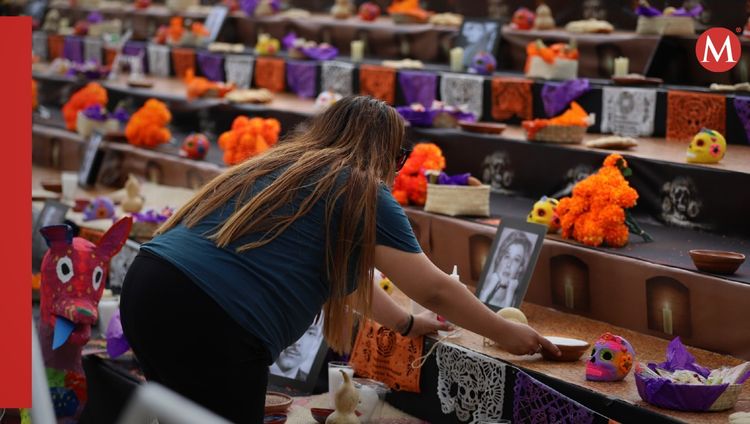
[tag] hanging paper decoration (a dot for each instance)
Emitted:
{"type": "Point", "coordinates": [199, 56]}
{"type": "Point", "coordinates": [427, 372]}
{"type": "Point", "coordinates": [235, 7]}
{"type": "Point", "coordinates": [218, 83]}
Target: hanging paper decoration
{"type": "Point", "coordinates": [418, 87]}
{"type": "Point", "coordinates": [39, 44]}
{"type": "Point", "coordinates": [470, 384]}
{"type": "Point", "coordinates": [337, 77]}
{"type": "Point", "coordinates": [211, 65]}
{"type": "Point", "coordinates": [90, 95]}
{"type": "Point", "coordinates": [269, 73]}
{"type": "Point", "coordinates": [92, 50]}
{"type": "Point", "coordinates": [384, 355]}
{"type": "Point", "coordinates": [688, 112]}
{"type": "Point", "coordinates": [239, 70]}
{"type": "Point", "coordinates": [158, 60]}
{"type": "Point", "coordinates": [73, 274]}
{"type": "Point", "coordinates": [532, 399]}
{"type": "Point", "coordinates": [55, 46]}
{"type": "Point", "coordinates": [248, 137]}
{"type": "Point", "coordinates": [556, 96]}
{"type": "Point", "coordinates": [742, 107]}
{"type": "Point", "coordinates": [628, 111]}
{"type": "Point", "coordinates": [512, 97]}
{"type": "Point", "coordinates": [148, 125]}
{"type": "Point", "coordinates": [301, 78]}
{"type": "Point", "coordinates": [73, 49]}
{"type": "Point", "coordinates": [183, 59]}
{"type": "Point", "coordinates": [378, 82]}
{"type": "Point", "coordinates": [410, 186]}
{"type": "Point", "coordinates": [136, 48]}
{"type": "Point", "coordinates": [465, 92]}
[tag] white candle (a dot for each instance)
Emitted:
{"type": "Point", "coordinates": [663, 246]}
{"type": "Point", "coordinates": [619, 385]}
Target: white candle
{"type": "Point", "coordinates": [569, 295]}
{"type": "Point", "coordinates": [358, 50]}
{"type": "Point", "coordinates": [666, 315]}
{"type": "Point", "coordinates": [107, 308]}
{"type": "Point", "coordinates": [335, 379]}
{"type": "Point", "coordinates": [621, 67]}
{"type": "Point", "coordinates": [457, 59]}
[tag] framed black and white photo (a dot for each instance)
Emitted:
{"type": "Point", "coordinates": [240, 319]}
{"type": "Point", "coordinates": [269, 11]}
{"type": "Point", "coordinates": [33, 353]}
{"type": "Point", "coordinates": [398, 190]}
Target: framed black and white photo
{"type": "Point", "coordinates": [478, 35]}
{"type": "Point", "coordinates": [92, 160]}
{"type": "Point", "coordinates": [298, 366]}
{"type": "Point", "coordinates": [215, 21]}
{"type": "Point", "coordinates": [510, 263]}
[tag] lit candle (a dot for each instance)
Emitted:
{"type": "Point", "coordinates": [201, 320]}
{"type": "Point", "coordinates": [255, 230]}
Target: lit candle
{"type": "Point", "coordinates": [457, 59]}
{"type": "Point", "coordinates": [621, 67]}
{"type": "Point", "coordinates": [358, 50]}
{"type": "Point", "coordinates": [569, 295]}
{"type": "Point", "coordinates": [666, 316]}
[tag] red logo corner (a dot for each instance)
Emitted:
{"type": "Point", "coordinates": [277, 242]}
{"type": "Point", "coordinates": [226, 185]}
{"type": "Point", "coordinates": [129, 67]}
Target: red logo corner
{"type": "Point", "coordinates": [718, 49]}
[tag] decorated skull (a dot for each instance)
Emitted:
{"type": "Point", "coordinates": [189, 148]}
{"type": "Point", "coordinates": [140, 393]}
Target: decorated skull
{"type": "Point", "coordinates": [523, 18]}
{"type": "Point", "coordinates": [611, 359]}
{"type": "Point", "coordinates": [708, 146]}
{"type": "Point", "coordinates": [483, 63]}
{"type": "Point", "coordinates": [99, 208]}
{"type": "Point", "coordinates": [543, 212]}
{"type": "Point", "coordinates": [195, 146]}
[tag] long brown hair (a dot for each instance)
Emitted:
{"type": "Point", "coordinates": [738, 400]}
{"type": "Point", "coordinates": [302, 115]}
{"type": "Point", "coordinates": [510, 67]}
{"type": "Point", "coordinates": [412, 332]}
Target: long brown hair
{"type": "Point", "coordinates": [357, 136]}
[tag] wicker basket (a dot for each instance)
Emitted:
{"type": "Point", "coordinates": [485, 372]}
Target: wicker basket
{"type": "Point", "coordinates": [562, 69]}
{"type": "Point", "coordinates": [456, 200]}
{"type": "Point", "coordinates": [728, 398]}
{"type": "Point", "coordinates": [180, 5]}
{"type": "Point", "coordinates": [560, 134]}
{"type": "Point", "coordinates": [665, 25]}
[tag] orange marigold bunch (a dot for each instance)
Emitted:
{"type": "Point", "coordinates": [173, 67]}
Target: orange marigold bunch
{"type": "Point", "coordinates": [595, 214]}
{"type": "Point", "coordinates": [91, 94]}
{"type": "Point", "coordinates": [148, 125]}
{"type": "Point", "coordinates": [248, 137]}
{"type": "Point", "coordinates": [411, 184]}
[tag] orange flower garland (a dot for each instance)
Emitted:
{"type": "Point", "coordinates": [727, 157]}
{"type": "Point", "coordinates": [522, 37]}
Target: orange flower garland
{"type": "Point", "coordinates": [411, 184]}
{"type": "Point", "coordinates": [148, 125]}
{"type": "Point", "coordinates": [595, 214]}
{"type": "Point", "coordinates": [91, 94]}
{"type": "Point", "coordinates": [248, 137]}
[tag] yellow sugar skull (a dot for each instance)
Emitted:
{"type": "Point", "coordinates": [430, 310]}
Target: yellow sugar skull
{"type": "Point", "coordinates": [543, 213]}
{"type": "Point", "coordinates": [708, 146]}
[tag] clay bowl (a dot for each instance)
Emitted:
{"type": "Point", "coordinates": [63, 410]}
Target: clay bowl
{"type": "Point", "coordinates": [717, 261]}
{"type": "Point", "coordinates": [277, 403]}
{"type": "Point", "coordinates": [571, 349]}
{"type": "Point", "coordinates": [274, 419]}
{"type": "Point", "coordinates": [321, 414]}
{"type": "Point", "coordinates": [80, 205]}
{"type": "Point", "coordinates": [482, 127]}
{"type": "Point", "coordinates": [54, 186]}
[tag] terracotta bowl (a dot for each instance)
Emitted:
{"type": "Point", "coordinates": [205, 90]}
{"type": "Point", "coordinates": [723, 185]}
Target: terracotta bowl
{"type": "Point", "coordinates": [321, 414]}
{"type": "Point", "coordinates": [717, 261]}
{"type": "Point", "coordinates": [277, 403]}
{"type": "Point", "coordinates": [274, 419]}
{"type": "Point", "coordinates": [571, 349]}
{"type": "Point", "coordinates": [482, 127]}
{"type": "Point", "coordinates": [54, 186]}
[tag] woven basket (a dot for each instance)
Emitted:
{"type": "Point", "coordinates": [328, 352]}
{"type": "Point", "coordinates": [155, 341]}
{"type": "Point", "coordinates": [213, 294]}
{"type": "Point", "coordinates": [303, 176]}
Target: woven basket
{"type": "Point", "coordinates": [728, 398]}
{"type": "Point", "coordinates": [180, 5]}
{"type": "Point", "coordinates": [561, 134]}
{"type": "Point", "coordinates": [665, 25]}
{"type": "Point", "coordinates": [455, 200]}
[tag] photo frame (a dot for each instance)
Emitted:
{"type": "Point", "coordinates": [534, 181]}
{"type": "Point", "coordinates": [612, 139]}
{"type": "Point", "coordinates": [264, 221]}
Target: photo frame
{"type": "Point", "coordinates": [298, 366]}
{"type": "Point", "coordinates": [510, 263]}
{"type": "Point", "coordinates": [91, 162]}
{"type": "Point", "coordinates": [214, 21]}
{"type": "Point", "coordinates": [52, 213]}
{"type": "Point", "coordinates": [477, 35]}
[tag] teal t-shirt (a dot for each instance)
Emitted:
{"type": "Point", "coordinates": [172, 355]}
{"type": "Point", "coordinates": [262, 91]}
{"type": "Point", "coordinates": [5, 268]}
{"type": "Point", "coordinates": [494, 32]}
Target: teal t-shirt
{"type": "Point", "coordinates": [274, 291]}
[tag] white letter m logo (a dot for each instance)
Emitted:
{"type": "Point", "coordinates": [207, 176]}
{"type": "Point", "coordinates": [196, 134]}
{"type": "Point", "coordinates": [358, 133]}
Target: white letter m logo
{"type": "Point", "coordinates": [717, 55]}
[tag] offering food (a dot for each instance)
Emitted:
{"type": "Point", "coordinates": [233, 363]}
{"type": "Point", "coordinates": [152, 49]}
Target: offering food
{"type": "Point", "coordinates": [558, 61]}
{"type": "Point", "coordinates": [544, 19]}
{"type": "Point", "coordinates": [613, 142]}
{"type": "Point", "coordinates": [569, 127]}
{"type": "Point", "coordinates": [403, 64]}
{"type": "Point", "coordinates": [250, 95]}
{"type": "Point", "coordinates": [523, 18]}
{"type": "Point", "coordinates": [408, 11]}
{"type": "Point", "coordinates": [513, 314]}
{"type": "Point", "coordinates": [589, 26]}
{"type": "Point", "coordinates": [447, 19]}
{"type": "Point", "coordinates": [369, 11]}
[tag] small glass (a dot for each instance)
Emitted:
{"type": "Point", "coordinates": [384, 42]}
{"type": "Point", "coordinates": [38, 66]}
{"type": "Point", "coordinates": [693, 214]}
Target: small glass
{"type": "Point", "coordinates": [335, 379]}
{"type": "Point", "coordinates": [371, 398]}
{"type": "Point", "coordinates": [69, 186]}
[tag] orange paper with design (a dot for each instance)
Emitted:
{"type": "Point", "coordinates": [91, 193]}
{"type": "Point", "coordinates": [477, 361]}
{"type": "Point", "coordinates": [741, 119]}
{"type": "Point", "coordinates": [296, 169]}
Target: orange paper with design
{"type": "Point", "coordinates": [378, 82]}
{"type": "Point", "coordinates": [269, 73]}
{"type": "Point", "coordinates": [386, 356]}
{"type": "Point", "coordinates": [688, 113]}
{"type": "Point", "coordinates": [511, 96]}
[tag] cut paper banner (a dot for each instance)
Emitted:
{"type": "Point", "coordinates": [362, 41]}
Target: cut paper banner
{"type": "Point", "coordinates": [688, 112]}
{"type": "Point", "coordinates": [557, 96]}
{"type": "Point", "coordinates": [269, 73]}
{"type": "Point", "coordinates": [137, 48]}
{"type": "Point", "coordinates": [239, 70]}
{"type": "Point", "coordinates": [742, 107]}
{"type": "Point", "coordinates": [211, 65]}
{"type": "Point", "coordinates": [532, 399]}
{"type": "Point", "coordinates": [301, 77]}
{"type": "Point", "coordinates": [512, 97]}
{"type": "Point", "coordinates": [158, 58]}
{"type": "Point", "coordinates": [465, 92]}
{"type": "Point", "coordinates": [39, 44]}
{"type": "Point", "coordinates": [337, 77]}
{"type": "Point", "coordinates": [73, 49]}
{"type": "Point", "coordinates": [628, 111]}
{"type": "Point", "coordinates": [418, 87]}
{"type": "Point", "coordinates": [92, 50]}
{"type": "Point", "coordinates": [378, 82]}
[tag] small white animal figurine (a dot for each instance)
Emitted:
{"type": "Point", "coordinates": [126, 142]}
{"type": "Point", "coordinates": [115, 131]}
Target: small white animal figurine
{"type": "Point", "coordinates": [133, 202]}
{"type": "Point", "coordinates": [347, 399]}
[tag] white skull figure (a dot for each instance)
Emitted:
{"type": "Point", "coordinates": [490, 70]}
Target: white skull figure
{"type": "Point", "coordinates": [680, 203]}
{"type": "Point", "coordinates": [497, 171]}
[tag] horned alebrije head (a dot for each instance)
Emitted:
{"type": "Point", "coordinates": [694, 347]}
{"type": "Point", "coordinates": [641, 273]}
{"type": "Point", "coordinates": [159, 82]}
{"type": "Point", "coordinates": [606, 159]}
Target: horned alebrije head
{"type": "Point", "coordinates": [73, 274]}
{"type": "Point", "coordinates": [611, 359]}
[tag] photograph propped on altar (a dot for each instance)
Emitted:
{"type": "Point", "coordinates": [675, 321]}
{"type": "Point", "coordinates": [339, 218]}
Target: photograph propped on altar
{"type": "Point", "coordinates": [299, 364]}
{"type": "Point", "coordinates": [510, 264]}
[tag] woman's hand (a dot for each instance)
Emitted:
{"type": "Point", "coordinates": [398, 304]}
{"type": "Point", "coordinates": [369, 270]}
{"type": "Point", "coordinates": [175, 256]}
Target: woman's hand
{"type": "Point", "coordinates": [426, 323]}
{"type": "Point", "coordinates": [520, 339]}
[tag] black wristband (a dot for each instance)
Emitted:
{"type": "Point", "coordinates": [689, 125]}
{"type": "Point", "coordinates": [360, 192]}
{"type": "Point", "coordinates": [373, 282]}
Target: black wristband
{"type": "Point", "coordinates": [408, 326]}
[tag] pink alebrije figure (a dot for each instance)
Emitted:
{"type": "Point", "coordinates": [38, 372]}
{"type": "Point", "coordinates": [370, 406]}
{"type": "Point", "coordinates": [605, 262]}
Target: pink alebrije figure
{"type": "Point", "coordinates": [73, 274]}
{"type": "Point", "coordinates": [611, 359]}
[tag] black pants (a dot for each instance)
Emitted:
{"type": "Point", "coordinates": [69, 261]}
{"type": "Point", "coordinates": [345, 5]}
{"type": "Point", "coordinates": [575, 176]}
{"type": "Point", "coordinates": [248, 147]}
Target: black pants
{"type": "Point", "coordinates": [185, 341]}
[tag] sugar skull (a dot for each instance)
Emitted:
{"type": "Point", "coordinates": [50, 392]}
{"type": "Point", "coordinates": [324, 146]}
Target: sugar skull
{"type": "Point", "coordinates": [325, 99]}
{"type": "Point", "coordinates": [543, 212]}
{"type": "Point", "coordinates": [523, 18]}
{"type": "Point", "coordinates": [369, 11]}
{"type": "Point", "coordinates": [195, 146]}
{"type": "Point", "coordinates": [611, 359]}
{"type": "Point", "coordinates": [99, 208]}
{"type": "Point", "coordinates": [483, 63]}
{"type": "Point", "coordinates": [708, 146]}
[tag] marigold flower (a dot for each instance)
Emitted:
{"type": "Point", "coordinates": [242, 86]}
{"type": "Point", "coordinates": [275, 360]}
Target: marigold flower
{"type": "Point", "coordinates": [148, 125]}
{"type": "Point", "coordinates": [90, 95]}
